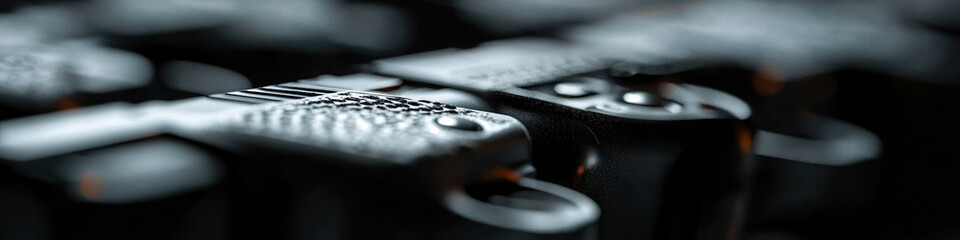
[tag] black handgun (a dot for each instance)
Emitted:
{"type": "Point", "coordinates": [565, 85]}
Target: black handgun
{"type": "Point", "coordinates": [663, 159]}
{"type": "Point", "coordinates": [414, 162]}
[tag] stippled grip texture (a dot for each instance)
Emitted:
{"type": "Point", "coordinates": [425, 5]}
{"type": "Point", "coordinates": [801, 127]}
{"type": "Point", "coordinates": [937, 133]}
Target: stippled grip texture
{"type": "Point", "coordinates": [527, 71]}
{"type": "Point", "coordinates": [32, 74]}
{"type": "Point", "coordinates": [377, 126]}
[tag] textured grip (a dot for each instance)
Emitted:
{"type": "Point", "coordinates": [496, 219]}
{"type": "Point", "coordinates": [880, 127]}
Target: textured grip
{"type": "Point", "coordinates": [370, 125]}
{"type": "Point", "coordinates": [496, 65]}
{"type": "Point", "coordinates": [32, 74]}
{"type": "Point", "coordinates": [527, 71]}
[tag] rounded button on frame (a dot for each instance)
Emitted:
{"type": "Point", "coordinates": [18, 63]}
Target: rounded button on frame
{"type": "Point", "coordinates": [458, 123]}
{"type": "Point", "coordinates": [572, 90]}
{"type": "Point", "coordinates": [643, 99]}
